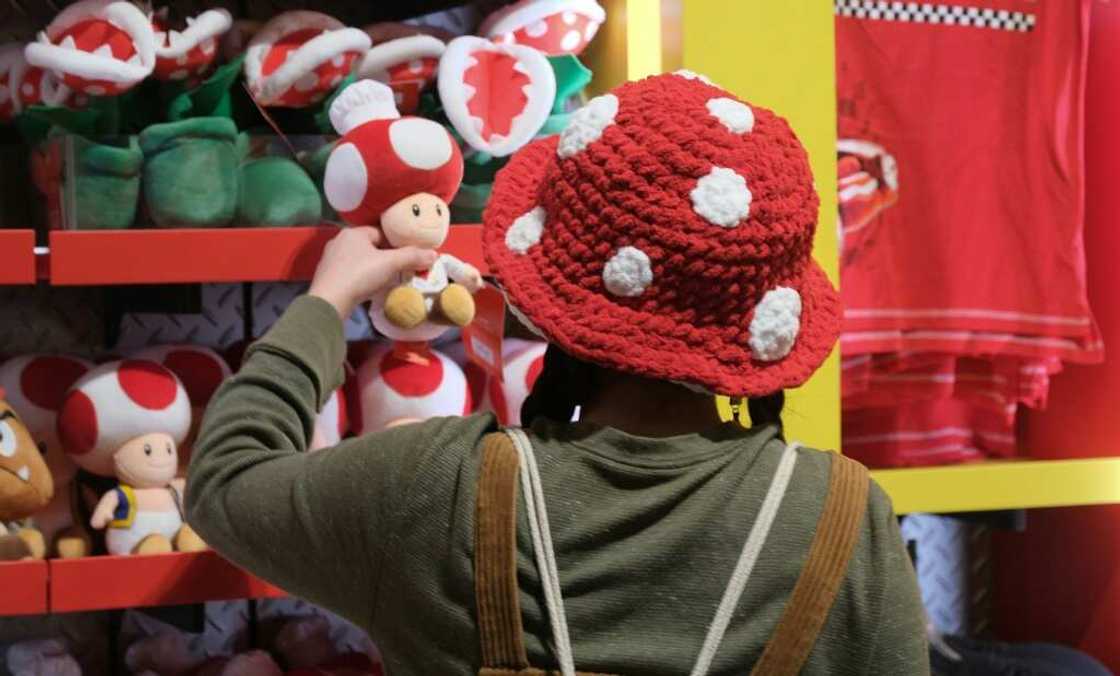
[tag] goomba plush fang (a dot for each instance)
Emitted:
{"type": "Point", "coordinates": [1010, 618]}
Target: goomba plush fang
{"type": "Point", "coordinates": [126, 419]}
{"type": "Point", "coordinates": [400, 173]}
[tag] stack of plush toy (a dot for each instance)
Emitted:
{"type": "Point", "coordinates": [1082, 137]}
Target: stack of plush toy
{"type": "Point", "coordinates": [130, 424]}
{"type": "Point", "coordinates": [154, 118]}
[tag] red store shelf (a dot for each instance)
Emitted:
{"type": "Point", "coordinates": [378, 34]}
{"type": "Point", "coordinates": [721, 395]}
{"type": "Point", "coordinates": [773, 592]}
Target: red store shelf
{"type": "Point", "coordinates": [213, 255]}
{"type": "Point", "coordinates": [25, 588]}
{"type": "Point", "coordinates": [17, 256]}
{"type": "Point", "coordinates": [104, 582]}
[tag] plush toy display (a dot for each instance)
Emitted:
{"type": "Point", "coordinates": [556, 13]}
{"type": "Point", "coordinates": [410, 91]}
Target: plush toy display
{"type": "Point", "coordinates": [401, 173]}
{"type": "Point", "coordinates": [497, 96]}
{"type": "Point", "coordinates": [36, 385]}
{"type": "Point", "coordinates": [397, 385]}
{"type": "Point", "coordinates": [25, 487]}
{"type": "Point", "coordinates": [126, 419]}
{"type": "Point", "coordinates": [298, 57]}
{"type": "Point", "coordinates": [97, 47]}
{"type": "Point", "coordinates": [187, 55]}
{"type": "Point", "coordinates": [555, 27]}
{"type": "Point", "coordinates": [523, 361]}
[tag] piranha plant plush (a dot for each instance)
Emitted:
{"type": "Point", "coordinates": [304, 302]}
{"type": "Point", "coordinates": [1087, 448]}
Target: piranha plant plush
{"type": "Point", "coordinates": [399, 173]}
{"type": "Point", "coordinates": [125, 419]}
{"type": "Point", "coordinates": [36, 385]}
{"type": "Point", "coordinates": [25, 487]}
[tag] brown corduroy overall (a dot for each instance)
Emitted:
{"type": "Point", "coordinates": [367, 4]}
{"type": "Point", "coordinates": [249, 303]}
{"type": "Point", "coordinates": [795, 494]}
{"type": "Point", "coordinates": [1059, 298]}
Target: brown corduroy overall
{"type": "Point", "coordinates": [495, 559]}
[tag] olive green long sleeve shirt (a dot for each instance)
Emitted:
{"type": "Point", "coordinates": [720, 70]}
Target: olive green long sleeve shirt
{"type": "Point", "coordinates": [647, 531]}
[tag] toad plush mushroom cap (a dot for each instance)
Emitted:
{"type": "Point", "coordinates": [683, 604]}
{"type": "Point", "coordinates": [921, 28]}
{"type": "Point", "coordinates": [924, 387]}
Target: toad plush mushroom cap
{"type": "Point", "coordinates": [200, 369]}
{"type": "Point", "coordinates": [119, 401]}
{"type": "Point", "coordinates": [555, 27]}
{"type": "Point", "coordinates": [189, 53]}
{"type": "Point", "coordinates": [523, 363]}
{"type": "Point", "coordinates": [36, 385]}
{"type": "Point", "coordinates": [667, 232]}
{"type": "Point", "coordinates": [391, 387]}
{"type": "Point", "coordinates": [408, 65]}
{"type": "Point", "coordinates": [98, 47]}
{"type": "Point", "coordinates": [296, 58]}
{"type": "Point", "coordinates": [383, 158]}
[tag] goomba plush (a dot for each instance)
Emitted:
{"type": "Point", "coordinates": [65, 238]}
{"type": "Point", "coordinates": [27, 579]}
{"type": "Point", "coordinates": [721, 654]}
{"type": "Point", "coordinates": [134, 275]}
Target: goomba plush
{"type": "Point", "coordinates": [25, 486]}
{"type": "Point", "coordinates": [125, 419]}
{"type": "Point", "coordinates": [396, 387]}
{"type": "Point", "coordinates": [36, 385]}
{"type": "Point", "coordinates": [400, 173]}
{"type": "Point", "coordinates": [298, 57]}
{"type": "Point", "coordinates": [97, 47]}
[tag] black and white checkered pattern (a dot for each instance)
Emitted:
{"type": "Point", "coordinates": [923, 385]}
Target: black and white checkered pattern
{"type": "Point", "coordinates": [926, 12]}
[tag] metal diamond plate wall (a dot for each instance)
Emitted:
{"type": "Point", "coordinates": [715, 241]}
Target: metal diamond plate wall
{"type": "Point", "coordinates": [943, 574]}
{"type": "Point", "coordinates": [225, 631]}
{"type": "Point", "coordinates": [270, 301]}
{"type": "Point", "coordinates": [220, 323]}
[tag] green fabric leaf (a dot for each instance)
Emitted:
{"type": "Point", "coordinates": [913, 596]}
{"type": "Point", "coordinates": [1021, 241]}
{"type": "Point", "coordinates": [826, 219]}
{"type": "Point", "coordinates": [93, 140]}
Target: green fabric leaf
{"type": "Point", "coordinates": [212, 98]}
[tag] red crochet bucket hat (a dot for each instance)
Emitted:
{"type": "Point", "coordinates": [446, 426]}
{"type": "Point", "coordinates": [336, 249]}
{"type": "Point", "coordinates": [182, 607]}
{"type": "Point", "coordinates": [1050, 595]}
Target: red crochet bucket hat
{"type": "Point", "coordinates": [667, 233]}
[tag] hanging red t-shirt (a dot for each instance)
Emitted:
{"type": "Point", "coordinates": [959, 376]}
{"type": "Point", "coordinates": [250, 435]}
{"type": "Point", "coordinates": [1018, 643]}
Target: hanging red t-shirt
{"type": "Point", "coordinates": [961, 182]}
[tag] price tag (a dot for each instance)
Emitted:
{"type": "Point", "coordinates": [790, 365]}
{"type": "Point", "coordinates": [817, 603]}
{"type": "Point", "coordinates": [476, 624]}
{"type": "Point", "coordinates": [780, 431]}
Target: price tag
{"type": "Point", "coordinates": [482, 338]}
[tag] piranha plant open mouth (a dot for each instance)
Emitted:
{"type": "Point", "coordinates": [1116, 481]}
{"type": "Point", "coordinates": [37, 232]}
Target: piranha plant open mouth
{"type": "Point", "coordinates": [98, 47]}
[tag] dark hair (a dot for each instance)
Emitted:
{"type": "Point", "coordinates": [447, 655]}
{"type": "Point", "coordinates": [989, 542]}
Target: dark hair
{"type": "Point", "coordinates": [566, 382]}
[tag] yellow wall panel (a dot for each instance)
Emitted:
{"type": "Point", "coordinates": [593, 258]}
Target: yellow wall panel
{"type": "Point", "coordinates": [780, 54]}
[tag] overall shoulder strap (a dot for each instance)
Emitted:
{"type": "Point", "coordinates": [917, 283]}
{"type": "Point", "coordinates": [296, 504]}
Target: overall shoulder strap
{"type": "Point", "coordinates": [838, 531]}
{"type": "Point", "coordinates": [495, 557]}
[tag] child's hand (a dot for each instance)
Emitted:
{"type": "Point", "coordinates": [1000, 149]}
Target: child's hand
{"type": "Point", "coordinates": [353, 270]}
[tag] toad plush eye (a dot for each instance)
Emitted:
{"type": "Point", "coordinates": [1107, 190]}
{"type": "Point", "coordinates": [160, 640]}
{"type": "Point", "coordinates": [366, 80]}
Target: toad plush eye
{"type": "Point", "coordinates": [170, 450]}
{"type": "Point", "coordinates": [439, 211]}
{"type": "Point", "coordinates": [7, 440]}
{"type": "Point", "coordinates": [416, 210]}
{"type": "Point", "coordinates": [147, 449]}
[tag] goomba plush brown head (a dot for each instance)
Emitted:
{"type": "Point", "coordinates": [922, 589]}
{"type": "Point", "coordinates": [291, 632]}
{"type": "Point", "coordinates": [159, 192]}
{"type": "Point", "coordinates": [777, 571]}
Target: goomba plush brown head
{"type": "Point", "coordinates": [25, 482]}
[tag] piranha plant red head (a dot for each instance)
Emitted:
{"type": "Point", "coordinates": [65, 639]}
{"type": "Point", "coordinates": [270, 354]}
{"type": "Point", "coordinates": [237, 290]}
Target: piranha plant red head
{"type": "Point", "coordinates": [298, 57]}
{"type": "Point", "coordinates": [555, 27]}
{"type": "Point", "coordinates": [396, 172]}
{"type": "Point", "coordinates": [97, 47]}
{"type": "Point", "coordinates": [189, 53]}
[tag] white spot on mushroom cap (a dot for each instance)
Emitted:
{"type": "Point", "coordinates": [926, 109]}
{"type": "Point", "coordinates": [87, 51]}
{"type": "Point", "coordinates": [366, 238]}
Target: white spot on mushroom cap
{"type": "Point", "coordinates": [735, 115]}
{"type": "Point", "coordinates": [722, 197]}
{"type": "Point", "coordinates": [420, 143]}
{"type": "Point", "coordinates": [526, 230]}
{"type": "Point", "coordinates": [691, 75]}
{"type": "Point", "coordinates": [570, 40]}
{"type": "Point", "coordinates": [537, 28]}
{"type": "Point", "coordinates": [776, 323]}
{"type": "Point", "coordinates": [628, 272]}
{"type": "Point", "coordinates": [587, 125]}
{"type": "Point", "coordinates": [345, 180]}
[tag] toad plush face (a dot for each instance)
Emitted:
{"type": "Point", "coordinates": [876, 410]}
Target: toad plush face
{"type": "Point", "coordinates": [147, 461]}
{"type": "Point", "coordinates": [420, 220]}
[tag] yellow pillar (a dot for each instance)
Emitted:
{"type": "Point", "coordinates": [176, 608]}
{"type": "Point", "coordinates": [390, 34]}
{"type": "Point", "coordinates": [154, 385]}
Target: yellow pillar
{"type": "Point", "coordinates": [780, 54]}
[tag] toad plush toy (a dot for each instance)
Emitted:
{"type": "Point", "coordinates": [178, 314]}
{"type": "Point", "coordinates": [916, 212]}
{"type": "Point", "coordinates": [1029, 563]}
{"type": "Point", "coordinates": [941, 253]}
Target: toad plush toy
{"type": "Point", "coordinates": [126, 419]}
{"type": "Point", "coordinates": [399, 173]}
